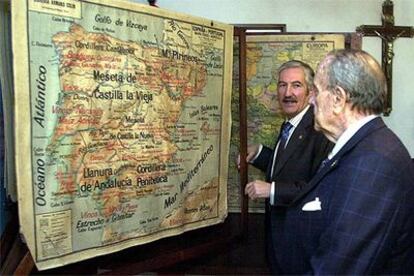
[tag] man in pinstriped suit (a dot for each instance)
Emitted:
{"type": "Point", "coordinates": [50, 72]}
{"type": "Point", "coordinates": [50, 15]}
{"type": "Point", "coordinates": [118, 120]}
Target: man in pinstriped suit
{"type": "Point", "coordinates": [355, 216]}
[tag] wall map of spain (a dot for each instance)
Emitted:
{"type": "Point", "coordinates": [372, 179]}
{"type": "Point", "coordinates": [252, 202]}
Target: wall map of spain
{"type": "Point", "coordinates": [122, 118]}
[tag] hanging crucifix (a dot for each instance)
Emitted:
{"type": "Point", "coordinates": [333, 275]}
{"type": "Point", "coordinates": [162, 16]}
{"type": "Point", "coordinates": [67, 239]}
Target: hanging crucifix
{"type": "Point", "coordinates": [388, 33]}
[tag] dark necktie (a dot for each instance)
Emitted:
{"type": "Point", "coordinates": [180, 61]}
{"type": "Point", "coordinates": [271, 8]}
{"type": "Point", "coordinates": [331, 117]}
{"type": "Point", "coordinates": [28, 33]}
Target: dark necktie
{"type": "Point", "coordinates": [282, 139]}
{"type": "Point", "coordinates": [284, 135]}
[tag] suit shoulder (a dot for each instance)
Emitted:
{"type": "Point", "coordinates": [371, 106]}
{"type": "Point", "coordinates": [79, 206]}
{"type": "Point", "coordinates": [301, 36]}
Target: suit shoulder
{"type": "Point", "coordinates": [386, 143]}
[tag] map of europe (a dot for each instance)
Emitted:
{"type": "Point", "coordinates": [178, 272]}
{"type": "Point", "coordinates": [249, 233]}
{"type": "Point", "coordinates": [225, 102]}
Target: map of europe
{"type": "Point", "coordinates": [264, 55]}
{"type": "Point", "coordinates": [128, 125]}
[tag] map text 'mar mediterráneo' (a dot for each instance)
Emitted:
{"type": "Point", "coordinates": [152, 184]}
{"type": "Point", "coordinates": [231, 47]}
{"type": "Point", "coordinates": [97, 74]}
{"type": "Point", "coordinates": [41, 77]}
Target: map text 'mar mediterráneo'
{"type": "Point", "coordinates": [194, 170]}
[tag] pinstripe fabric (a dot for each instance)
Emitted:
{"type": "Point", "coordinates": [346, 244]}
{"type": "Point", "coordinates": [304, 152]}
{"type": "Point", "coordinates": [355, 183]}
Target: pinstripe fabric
{"type": "Point", "coordinates": [366, 224]}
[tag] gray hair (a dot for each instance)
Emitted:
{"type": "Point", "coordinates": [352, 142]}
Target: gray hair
{"type": "Point", "coordinates": [309, 73]}
{"type": "Point", "coordinates": [360, 75]}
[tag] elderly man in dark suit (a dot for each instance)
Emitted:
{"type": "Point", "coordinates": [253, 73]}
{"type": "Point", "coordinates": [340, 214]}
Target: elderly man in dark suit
{"type": "Point", "coordinates": [355, 216]}
{"type": "Point", "coordinates": [296, 157]}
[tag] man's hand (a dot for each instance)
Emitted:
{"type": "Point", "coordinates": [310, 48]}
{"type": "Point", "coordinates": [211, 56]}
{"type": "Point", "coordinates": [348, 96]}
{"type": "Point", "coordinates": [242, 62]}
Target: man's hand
{"type": "Point", "coordinates": [251, 152]}
{"type": "Point", "coordinates": [257, 189]}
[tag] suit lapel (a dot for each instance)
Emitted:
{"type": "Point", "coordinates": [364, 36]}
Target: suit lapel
{"type": "Point", "coordinates": [298, 137]}
{"type": "Point", "coordinates": [367, 129]}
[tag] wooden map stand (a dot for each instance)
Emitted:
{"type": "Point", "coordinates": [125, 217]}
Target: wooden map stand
{"type": "Point", "coordinates": [241, 31]}
{"type": "Point", "coordinates": [172, 250]}
{"type": "Point", "coordinates": [164, 254]}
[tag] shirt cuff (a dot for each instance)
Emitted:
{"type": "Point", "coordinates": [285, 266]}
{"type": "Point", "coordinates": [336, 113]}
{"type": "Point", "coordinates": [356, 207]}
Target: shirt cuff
{"type": "Point", "coordinates": [272, 193]}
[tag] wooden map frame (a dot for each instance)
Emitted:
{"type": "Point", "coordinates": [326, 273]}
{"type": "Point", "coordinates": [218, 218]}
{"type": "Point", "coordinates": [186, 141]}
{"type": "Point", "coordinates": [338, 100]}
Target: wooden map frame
{"type": "Point", "coordinates": [192, 244]}
{"type": "Point", "coordinates": [169, 251]}
{"type": "Point", "coordinates": [352, 41]}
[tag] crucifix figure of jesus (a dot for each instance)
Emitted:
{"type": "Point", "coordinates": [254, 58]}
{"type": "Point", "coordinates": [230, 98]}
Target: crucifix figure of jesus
{"type": "Point", "coordinates": [388, 33]}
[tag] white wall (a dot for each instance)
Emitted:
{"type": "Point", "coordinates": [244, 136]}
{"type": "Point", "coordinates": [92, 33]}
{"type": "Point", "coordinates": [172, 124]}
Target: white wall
{"type": "Point", "coordinates": [326, 16]}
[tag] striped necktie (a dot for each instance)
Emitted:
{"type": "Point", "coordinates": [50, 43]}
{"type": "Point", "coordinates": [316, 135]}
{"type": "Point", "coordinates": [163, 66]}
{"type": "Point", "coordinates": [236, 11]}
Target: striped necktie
{"type": "Point", "coordinates": [282, 139]}
{"type": "Point", "coordinates": [286, 126]}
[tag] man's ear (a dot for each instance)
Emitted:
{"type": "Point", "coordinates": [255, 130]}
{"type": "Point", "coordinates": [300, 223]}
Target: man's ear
{"type": "Point", "coordinates": [339, 99]}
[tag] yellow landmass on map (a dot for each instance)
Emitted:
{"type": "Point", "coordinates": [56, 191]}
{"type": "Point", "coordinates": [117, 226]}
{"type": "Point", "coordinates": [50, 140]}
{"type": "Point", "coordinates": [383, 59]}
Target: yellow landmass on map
{"type": "Point", "coordinates": [119, 105]}
{"type": "Point", "coordinates": [253, 55]}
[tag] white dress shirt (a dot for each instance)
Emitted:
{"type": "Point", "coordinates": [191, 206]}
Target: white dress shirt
{"type": "Point", "coordinates": [295, 122]}
{"type": "Point", "coordinates": [348, 133]}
